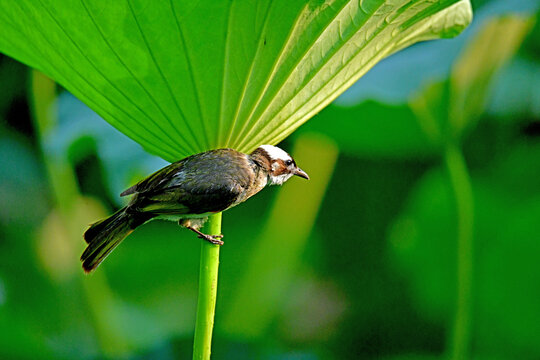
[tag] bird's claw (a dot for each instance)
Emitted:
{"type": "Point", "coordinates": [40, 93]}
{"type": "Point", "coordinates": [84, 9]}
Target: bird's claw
{"type": "Point", "coordinates": [214, 239]}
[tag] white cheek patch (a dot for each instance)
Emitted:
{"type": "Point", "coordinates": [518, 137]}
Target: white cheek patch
{"type": "Point", "coordinates": [275, 153]}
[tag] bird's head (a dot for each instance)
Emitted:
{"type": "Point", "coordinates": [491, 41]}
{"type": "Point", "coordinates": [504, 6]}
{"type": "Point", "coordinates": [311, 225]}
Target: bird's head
{"type": "Point", "coordinates": [279, 164]}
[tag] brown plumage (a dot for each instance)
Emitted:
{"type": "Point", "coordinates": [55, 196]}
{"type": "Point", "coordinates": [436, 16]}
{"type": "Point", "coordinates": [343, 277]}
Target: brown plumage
{"type": "Point", "coordinates": [188, 191]}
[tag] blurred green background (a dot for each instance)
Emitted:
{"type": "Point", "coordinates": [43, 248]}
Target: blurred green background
{"type": "Point", "coordinates": [417, 236]}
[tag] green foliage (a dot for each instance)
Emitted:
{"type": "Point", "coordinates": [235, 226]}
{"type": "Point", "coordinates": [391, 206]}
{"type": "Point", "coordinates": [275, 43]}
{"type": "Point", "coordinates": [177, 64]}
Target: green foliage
{"type": "Point", "coordinates": [440, 112]}
{"type": "Point", "coordinates": [181, 77]}
{"type": "Point", "coordinates": [374, 129]}
{"type": "Point", "coordinates": [423, 245]}
{"type": "Point", "coordinates": [376, 276]}
{"type": "Point", "coordinates": [298, 201]}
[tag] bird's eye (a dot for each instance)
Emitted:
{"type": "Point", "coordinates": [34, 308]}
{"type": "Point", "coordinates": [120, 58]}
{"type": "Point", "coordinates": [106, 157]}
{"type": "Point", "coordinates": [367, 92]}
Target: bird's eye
{"type": "Point", "coordinates": [288, 162]}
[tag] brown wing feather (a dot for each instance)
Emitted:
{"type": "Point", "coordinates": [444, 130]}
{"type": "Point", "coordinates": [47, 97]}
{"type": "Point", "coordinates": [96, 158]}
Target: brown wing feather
{"type": "Point", "coordinates": [206, 182]}
{"type": "Point", "coordinates": [156, 179]}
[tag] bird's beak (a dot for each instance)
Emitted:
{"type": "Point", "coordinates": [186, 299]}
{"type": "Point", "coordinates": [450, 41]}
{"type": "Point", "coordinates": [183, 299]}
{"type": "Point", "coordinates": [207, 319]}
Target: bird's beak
{"type": "Point", "coordinates": [301, 173]}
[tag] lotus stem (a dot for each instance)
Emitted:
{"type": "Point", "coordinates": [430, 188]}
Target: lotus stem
{"type": "Point", "coordinates": [461, 184]}
{"type": "Point", "coordinates": [206, 303]}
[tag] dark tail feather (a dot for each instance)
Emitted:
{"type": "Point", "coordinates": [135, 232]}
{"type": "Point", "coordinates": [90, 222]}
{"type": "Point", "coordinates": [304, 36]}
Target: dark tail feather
{"type": "Point", "coordinates": [105, 235]}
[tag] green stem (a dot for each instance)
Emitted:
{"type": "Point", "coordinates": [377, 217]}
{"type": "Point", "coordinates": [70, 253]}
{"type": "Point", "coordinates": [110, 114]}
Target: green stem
{"type": "Point", "coordinates": [457, 170]}
{"type": "Point", "coordinates": [206, 304]}
{"type": "Point", "coordinates": [66, 193]}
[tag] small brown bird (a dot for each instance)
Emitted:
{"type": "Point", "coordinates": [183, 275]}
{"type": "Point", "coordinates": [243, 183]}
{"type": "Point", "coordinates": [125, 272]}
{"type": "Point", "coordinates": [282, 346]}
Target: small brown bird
{"type": "Point", "coordinates": [188, 191]}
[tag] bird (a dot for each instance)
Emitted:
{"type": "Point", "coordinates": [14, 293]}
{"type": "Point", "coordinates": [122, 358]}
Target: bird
{"type": "Point", "coordinates": [188, 191]}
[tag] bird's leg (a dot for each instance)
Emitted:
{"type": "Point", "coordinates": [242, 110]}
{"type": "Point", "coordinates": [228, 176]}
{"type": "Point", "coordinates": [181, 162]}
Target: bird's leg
{"type": "Point", "coordinates": [214, 239]}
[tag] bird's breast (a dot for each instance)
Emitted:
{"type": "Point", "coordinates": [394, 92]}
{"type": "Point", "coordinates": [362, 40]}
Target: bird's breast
{"type": "Point", "coordinates": [259, 182]}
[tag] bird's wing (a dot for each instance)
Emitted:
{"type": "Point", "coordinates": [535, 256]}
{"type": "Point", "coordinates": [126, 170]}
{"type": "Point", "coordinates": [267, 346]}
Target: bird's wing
{"type": "Point", "coordinates": [193, 201]}
{"type": "Point", "coordinates": [206, 182]}
{"type": "Point", "coordinates": [157, 180]}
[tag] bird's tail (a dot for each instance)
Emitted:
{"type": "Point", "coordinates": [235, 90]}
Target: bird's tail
{"type": "Point", "coordinates": [105, 235]}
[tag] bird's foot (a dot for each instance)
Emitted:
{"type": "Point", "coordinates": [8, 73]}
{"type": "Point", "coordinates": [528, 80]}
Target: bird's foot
{"type": "Point", "coordinates": [214, 239]}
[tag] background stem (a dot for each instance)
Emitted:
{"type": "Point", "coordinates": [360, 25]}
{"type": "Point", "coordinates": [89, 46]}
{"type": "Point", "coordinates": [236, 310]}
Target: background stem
{"type": "Point", "coordinates": [206, 303]}
{"type": "Point", "coordinates": [461, 185]}
{"type": "Point", "coordinates": [277, 254]}
{"type": "Point", "coordinates": [76, 216]}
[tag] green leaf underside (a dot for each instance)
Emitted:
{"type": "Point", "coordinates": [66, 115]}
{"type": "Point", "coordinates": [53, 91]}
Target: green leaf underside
{"type": "Point", "coordinates": [181, 77]}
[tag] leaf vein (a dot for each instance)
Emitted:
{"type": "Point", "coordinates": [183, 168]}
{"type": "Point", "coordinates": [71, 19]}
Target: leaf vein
{"type": "Point", "coordinates": [251, 68]}
{"type": "Point", "coordinates": [225, 72]}
{"type": "Point", "coordinates": [167, 135]}
{"type": "Point", "coordinates": [389, 44]}
{"type": "Point", "coordinates": [191, 75]}
{"type": "Point", "coordinates": [242, 137]}
{"type": "Point", "coordinates": [173, 97]}
{"type": "Point", "coordinates": [95, 68]}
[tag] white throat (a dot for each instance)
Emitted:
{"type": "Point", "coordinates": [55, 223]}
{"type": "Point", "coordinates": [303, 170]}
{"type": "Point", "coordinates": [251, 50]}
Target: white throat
{"type": "Point", "coordinates": [279, 179]}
